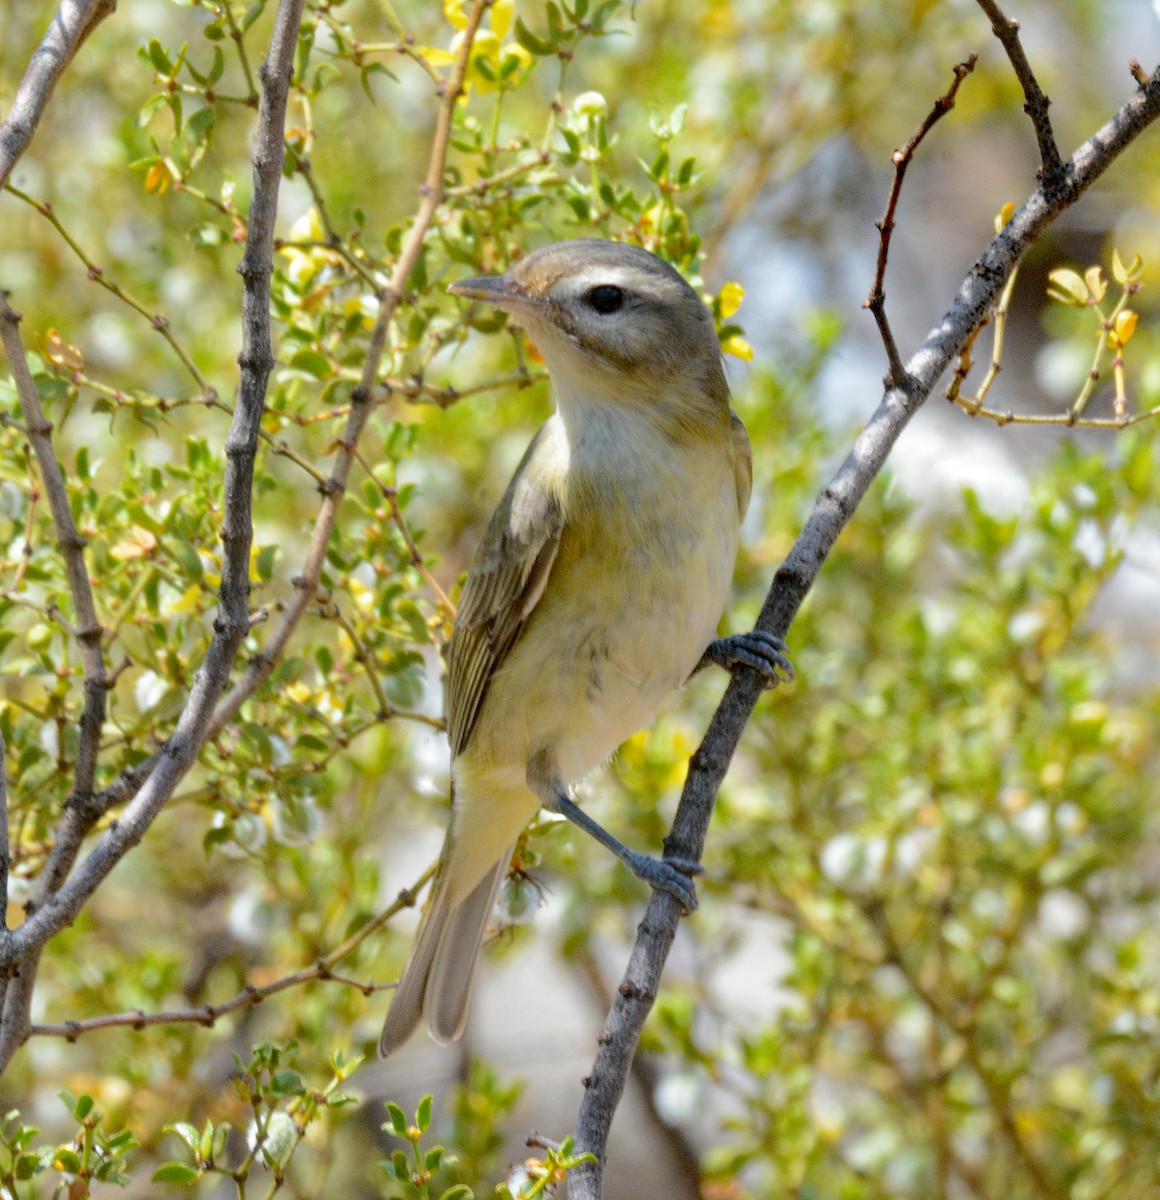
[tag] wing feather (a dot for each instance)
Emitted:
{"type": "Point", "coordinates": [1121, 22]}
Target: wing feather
{"type": "Point", "coordinates": [742, 464]}
{"type": "Point", "coordinates": [506, 580]}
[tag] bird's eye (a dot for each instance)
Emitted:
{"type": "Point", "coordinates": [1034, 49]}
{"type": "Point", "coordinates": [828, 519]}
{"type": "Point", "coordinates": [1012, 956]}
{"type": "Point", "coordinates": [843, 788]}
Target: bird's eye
{"type": "Point", "coordinates": [606, 298]}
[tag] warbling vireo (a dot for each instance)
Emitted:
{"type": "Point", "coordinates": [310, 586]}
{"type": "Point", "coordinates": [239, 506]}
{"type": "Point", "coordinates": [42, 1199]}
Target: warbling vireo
{"type": "Point", "coordinates": [596, 591]}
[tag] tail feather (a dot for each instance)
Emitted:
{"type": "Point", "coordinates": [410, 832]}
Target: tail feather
{"type": "Point", "coordinates": [438, 978]}
{"type": "Point", "coordinates": [452, 971]}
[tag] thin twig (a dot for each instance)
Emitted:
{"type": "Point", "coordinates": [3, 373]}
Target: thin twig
{"type": "Point", "coordinates": [876, 300]}
{"type": "Point", "coordinates": [74, 21]}
{"type": "Point", "coordinates": [362, 398]}
{"type": "Point", "coordinates": [233, 621]}
{"type": "Point", "coordinates": [1035, 103]}
{"type": "Point", "coordinates": [250, 995]}
{"type": "Point", "coordinates": [832, 511]}
{"type": "Point", "coordinates": [391, 495]}
{"type": "Point", "coordinates": [158, 320]}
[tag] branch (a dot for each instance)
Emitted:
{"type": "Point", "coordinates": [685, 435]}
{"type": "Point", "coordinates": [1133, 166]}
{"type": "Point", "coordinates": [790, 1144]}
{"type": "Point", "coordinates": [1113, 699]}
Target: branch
{"type": "Point", "coordinates": [362, 398]}
{"type": "Point", "coordinates": [832, 510]}
{"type": "Point", "coordinates": [876, 300]}
{"type": "Point", "coordinates": [232, 623]}
{"type": "Point", "coordinates": [249, 996]}
{"type": "Point", "coordinates": [1035, 103]}
{"type": "Point", "coordinates": [88, 627]}
{"type": "Point", "coordinates": [73, 23]}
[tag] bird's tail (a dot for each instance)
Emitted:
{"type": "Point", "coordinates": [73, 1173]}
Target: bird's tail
{"type": "Point", "coordinates": [437, 981]}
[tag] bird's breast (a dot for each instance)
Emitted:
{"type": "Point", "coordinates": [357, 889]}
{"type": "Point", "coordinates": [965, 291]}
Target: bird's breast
{"type": "Point", "coordinates": [643, 570]}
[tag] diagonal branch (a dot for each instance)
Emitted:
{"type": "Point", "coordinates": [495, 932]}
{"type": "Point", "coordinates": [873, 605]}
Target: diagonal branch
{"type": "Point", "coordinates": [833, 509]}
{"type": "Point", "coordinates": [73, 23]}
{"type": "Point", "coordinates": [1035, 103]}
{"type": "Point", "coordinates": [232, 623]}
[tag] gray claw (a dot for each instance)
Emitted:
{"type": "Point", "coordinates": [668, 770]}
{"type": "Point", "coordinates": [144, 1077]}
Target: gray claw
{"type": "Point", "coordinates": [669, 875]}
{"type": "Point", "coordinates": [763, 652]}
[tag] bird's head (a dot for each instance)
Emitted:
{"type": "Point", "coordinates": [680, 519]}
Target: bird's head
{"type": "Point", "coordinates": [611, 320]}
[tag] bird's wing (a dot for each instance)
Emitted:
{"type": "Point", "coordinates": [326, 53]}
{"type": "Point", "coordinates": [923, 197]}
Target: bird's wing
{"type": "Point", "coordinates": [742, 465]}
{"type": "Point", "coordinates": [505, 582]}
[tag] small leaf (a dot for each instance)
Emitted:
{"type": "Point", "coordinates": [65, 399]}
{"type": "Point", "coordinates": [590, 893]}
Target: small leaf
{"type": "Point", "coordinates": [1068, 286]}
{"type": "Point", "coordinates": [1097, 284]}
{"type": "Point", "coordinates": [398, 1119]}
{"type": "Point", "coordinates": [423, 1113]}
{"type": "Point", "coordinates": [159, 58]}
{"type": "Point", "coordinates": [529, 41]}
{"type": "Point", "coordinates": [1123, 274]}
{"type": "Point", "coordinates": [184, 554]}
{"type": "Point", "coordinates": [188, 1134]}
{"type": "Point", "coordinates": [176, 1172]}
{"type": "Point", "coordinates": [67, 1159]}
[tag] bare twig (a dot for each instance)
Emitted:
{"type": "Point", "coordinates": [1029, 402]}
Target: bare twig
{"type": "Point", "coordinates": [833, 509]}
{"type": "Point", "coordinates": [233, 621]}
{"type": "Point", "coordinates": [876, 300]}
{"type": "Point", "coordinates": [249, 996]}
{"type": "Point", "coordinates": [158, 320]}
{"type": "Point", "coordinates": [74, 21]}
{"type": "Point", "coordinates": [1035, 103]}
{"type": "Point", "coordinates": [362, 398]}
{"type": "Point", "coordinates": [391, 495]}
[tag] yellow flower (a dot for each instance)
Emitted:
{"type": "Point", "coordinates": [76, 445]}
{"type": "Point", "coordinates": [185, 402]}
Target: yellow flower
{"type": "Point", "coordinates": [738, 347]}
{"type": "Point", "coordinates": [729, 299]}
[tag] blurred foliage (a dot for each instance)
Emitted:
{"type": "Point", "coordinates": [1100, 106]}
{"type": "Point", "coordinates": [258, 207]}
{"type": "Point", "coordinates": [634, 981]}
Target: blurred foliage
{"type": "Point", "coordinates": [944, 824]}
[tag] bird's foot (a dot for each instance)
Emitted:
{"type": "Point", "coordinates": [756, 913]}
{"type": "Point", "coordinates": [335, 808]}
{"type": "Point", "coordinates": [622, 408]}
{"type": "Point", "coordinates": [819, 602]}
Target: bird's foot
{"type": "Point", "coordinates": [672, 875]}
{"type": "Point", "coordinates": [762, 652]}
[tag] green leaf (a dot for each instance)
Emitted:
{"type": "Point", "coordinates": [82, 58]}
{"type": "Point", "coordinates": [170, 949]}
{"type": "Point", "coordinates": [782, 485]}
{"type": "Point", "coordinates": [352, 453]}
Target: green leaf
{"type": "Point", "coordinates": [188, 1134]}
{"type": "Point", "coordinates": [312, 363]}
{"type": "Point", "coordinates": [287, 1083]}
{"type": "Point", "coordinates": [158, 57]}
{"type": "Point", "coordinates": [530, 42]}
{"type": "Point", "coordinates": [398, 1119]}
{"type": "Point", "coordinates": [66, 1159]}
{"type": "Point", "coordinates": [423, 1113]}
{"type": "Point", "coordinates": [264, 562]}
{"type": "Point", "coordinates": [186, 557]}
{"type": "Point", "coordinates": [27, 1165]}
{"type": "Point", "coordinates": [176, 1172]}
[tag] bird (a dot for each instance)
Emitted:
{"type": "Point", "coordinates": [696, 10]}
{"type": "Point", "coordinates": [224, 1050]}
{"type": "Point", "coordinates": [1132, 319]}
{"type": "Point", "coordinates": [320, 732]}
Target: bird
{"type": "Point", "coordinates": [596, 590]}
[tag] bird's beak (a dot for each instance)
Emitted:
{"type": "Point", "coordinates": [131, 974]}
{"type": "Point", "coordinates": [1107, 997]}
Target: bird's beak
{"type": "Point", "coordinates": [502, 291]}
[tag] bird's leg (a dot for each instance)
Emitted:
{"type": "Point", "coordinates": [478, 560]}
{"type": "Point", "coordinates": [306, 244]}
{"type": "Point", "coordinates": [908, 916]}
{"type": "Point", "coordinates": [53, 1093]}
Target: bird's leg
{"type": "Point", "coordinates": [763, 652]}
{"type": "Point", "coordinates": [670, 874]}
